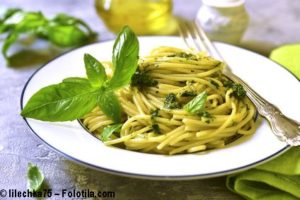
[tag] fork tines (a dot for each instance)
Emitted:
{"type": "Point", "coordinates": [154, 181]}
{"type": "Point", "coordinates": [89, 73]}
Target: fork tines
{"type": "Point", "coordinates": [195, 38]}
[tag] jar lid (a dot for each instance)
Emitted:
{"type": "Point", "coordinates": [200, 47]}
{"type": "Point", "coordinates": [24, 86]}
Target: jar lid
{"type": "Point", "coordinates": [223, 3]}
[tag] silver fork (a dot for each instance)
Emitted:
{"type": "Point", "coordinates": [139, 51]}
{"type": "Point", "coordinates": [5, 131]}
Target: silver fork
{"type": "Point", "coordinates": [286, 129]}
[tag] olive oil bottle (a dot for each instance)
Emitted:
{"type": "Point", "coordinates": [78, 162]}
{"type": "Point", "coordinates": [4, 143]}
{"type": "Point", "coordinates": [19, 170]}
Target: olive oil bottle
{"type": "Point", "coordinates": [145, 17]}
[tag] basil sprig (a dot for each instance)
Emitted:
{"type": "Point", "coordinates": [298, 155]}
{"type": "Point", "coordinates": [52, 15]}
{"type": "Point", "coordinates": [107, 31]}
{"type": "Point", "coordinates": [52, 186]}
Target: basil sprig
{"type": "Point", "coordinates": [62, 30]}
{"type": "Point", "coordinates": [197, 104]}
{"type": "Point", "coordinates": [75, 97]}
{"type": "Point", "coordinates": [35, 178]}
{"type": "Point", "coordinates": [109, 130]}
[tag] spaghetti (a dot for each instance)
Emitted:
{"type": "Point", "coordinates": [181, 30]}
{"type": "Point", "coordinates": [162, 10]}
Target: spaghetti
{"type": "Point", "coordinates": [154, 116]}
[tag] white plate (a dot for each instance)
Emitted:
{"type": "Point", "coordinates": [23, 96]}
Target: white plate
{"type": "Point", "coordinates": [70, 139]}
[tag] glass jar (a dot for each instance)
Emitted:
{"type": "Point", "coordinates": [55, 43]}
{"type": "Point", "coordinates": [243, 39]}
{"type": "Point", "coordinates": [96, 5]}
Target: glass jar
{"type": "Point", "coordinates": [145, 17]}
{"type": "Point", "coordinates": [223, 20]}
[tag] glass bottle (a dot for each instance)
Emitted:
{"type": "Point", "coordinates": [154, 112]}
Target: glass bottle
{"type": "Point", "coordinates": [145, 17]}
{"type": "Point", "coordinates": [223, 20]}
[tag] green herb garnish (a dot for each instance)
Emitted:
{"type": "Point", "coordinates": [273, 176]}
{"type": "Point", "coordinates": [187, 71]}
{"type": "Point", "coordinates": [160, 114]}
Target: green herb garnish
{"type": "Point", "coordinates": [171, 102]}
{"type": "Point", "coordinates": [184, 55]}
{"type": "Point", "coordinates": [238, 90]}
{"type": "Point", "coordinates": [204, 114]}
{"type": "Point", "coordinates": [69, 100]}
{"type": "Point", "coordinates": [75, 97]}
{"type": "Point", "coordinates": [95, 71]}
{"type": "Point", "coordinates": [63, 30]}
{"type": "Point", "coordinates": [109, 130]}
{"type": "Point", "coordinates": [109, 104]}
{"type": "Point", "coordinates": [154, 113]}
{"type": "Point", "coordinates": [35, 178]}
{"type": "Point", "coordinates": [197, 104]}
{"type": "Point", "coordinates": [156, 128]}
{"type": "Point", "coordinates": [215, 84]}
{"type": "Point", "coordinates": [141, 80]}
{"type": "Point", "coordinates": [125, 58]}
{"type": "Point", "coordinates": [188, 94]}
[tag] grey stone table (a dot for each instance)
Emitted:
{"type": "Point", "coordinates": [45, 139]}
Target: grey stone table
{"type": "Point", "coordinates": [272, 24]}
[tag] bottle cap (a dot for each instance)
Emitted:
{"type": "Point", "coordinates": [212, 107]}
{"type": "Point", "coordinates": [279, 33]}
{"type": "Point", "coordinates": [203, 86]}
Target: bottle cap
{"type": "Point", "coordinates": [223, 3]}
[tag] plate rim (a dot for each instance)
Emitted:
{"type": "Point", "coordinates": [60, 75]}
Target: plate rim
{"type": "Point", "coordinates": [147, 176]}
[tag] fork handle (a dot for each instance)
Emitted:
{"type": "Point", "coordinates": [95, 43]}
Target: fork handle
{"type": "Point", "coordinates": [286, 129]}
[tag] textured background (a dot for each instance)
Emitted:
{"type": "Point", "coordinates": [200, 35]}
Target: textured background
{"type": "Point", "coordinates": [272, 24]}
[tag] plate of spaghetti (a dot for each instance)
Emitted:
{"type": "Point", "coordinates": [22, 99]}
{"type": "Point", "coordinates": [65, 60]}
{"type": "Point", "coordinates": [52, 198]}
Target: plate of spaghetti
{"type": "Point", "coordinates": [149, 107]}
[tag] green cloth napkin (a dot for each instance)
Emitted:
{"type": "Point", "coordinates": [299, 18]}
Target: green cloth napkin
{"type": "Point", "coordinates": [289, 57]}
{"type": "Point", "coordinates": [278, 179]}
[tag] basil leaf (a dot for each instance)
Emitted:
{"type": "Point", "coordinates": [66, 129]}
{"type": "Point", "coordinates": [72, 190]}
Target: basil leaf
{"type": "Point", "coordinates": [197, 104]}
{"type": "Point", "coordinates": [31, 22]}
{"type": "Point", "coordinates": [110, 105]}
{"type": "Point", "coordinates": [94, 70]}
{"type": "Point", "coordinates": [4, 27]}
{"type": "Point", "coordinates": [64, 19]}
{"type": "Point", "coordinates": [63, 30]}
{"type": "Point", "coordinates": [10, 39]}
{"type": "Point", "coordinates": [125, 58]}
{"type": "Point", "coordinates": [66, 36]}
{"type": "Point", "coordinates": [109, 130]}
{"type": "Point", "coordinates": [61, 102]}
{"type": "Point", "coordinates": [9, 12]}
{"type": "Point", "coordinates": [35, 177]}
{"type": "Point", "coordinates": [77, 80]}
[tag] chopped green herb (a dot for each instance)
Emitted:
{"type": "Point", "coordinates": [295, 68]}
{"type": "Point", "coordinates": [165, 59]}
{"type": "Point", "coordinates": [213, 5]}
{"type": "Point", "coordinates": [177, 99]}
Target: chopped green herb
{"type": "Point", "coordinates": [233, 123]}
{"type": "Point", "coordinates": [228, 83]}
{"type": "Point", "coordinates": [238, 90]}
{"type": "Point", "coordinates": [172, 55]}
{"type": "Point", "coordinates": [204, 114]}
{"type": "Point", "coordinates": [207, 117]}
{"type": "Point", "coordinates": [154, 113]}
{"type": "Point", "coordinates": [171, 102]}
{"type": "Point", "coordinates": [215, 83]}
{"type": "Point", "coordinates": [109, 130]}
{"type": "Point", "coordinates": [141, 80]}
{"type": "Point", "coordinates": [197, 104]}
{"type": "Point", "coordinates": [156, 128]}
{"type": "Point", "coordinates": [207, 121]}
{"type": "Point", "coordinates": [188, 94]}
{"type": "Point", "coordinates": [35, 178]}
{"type": "Point", "coordinates": [184, 55]}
